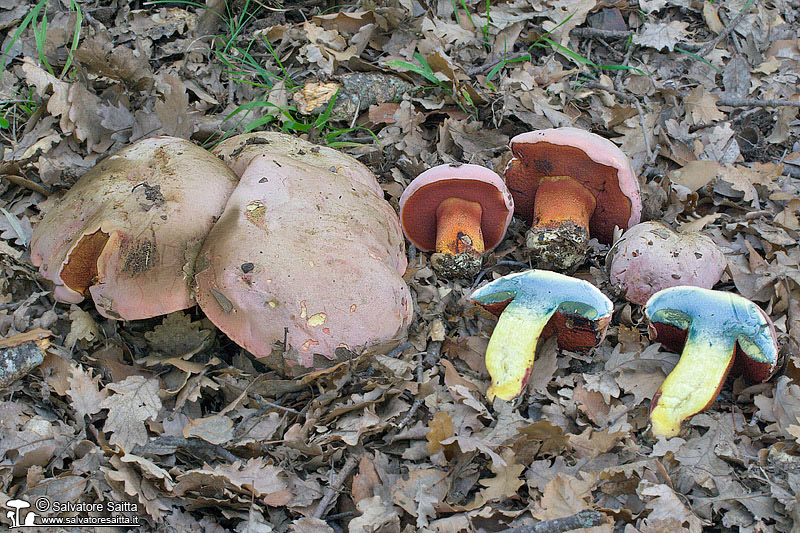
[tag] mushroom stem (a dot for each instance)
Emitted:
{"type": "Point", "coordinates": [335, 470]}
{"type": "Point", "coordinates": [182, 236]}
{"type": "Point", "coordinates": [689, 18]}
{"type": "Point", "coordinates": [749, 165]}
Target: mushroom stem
{"type": "Point", "coordinates": [512, 348]}
{"type": "Point", "coordinates": [561, 212]}
{"type": "Point", "coordinates": [458, 227]}
{"type": "Point", "coordinates": [695, 381]}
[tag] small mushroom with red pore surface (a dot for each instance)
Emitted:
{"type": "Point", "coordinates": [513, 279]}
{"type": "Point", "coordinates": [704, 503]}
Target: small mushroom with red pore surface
{"type": "Point", "coordinates": [306, 255]}
{"type": "Point", "coordinates": [537, 304]}
{"type": "Point", "coordinates": [570, 184]}
{"type": "Point", "coordinates": [128, 232]}
{"type": "Point", "coordinates": [459, 211]}
{"type": "Point", "coordinates": [716, 331]}
{"type": "Point", "coordinates": [650, 257]}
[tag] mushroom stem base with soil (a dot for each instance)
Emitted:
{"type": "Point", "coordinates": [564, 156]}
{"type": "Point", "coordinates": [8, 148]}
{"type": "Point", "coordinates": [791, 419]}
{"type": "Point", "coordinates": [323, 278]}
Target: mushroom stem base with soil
{"type": "Point", "coordinates": [560, 232]}
{"type": "Point", "coordinates": [694, 383]}
{"type": "Point", "coordinates": [459, 239]}
{"type": "Point", "coordinates": [512, 348]}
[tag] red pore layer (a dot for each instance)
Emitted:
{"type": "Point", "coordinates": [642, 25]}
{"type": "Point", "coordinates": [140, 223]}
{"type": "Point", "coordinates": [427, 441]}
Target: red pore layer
{"type": "Point", "coordinates": [673, 338]}
{"type": "Point", "coordinates": [418, 215]}
{"type": "Point", "coordinates": [575, 333]}
{"type": "Point", "coordinates": [534, 161]}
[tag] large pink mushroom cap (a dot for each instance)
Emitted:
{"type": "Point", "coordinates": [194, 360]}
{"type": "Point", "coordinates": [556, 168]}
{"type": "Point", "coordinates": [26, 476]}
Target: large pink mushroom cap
{"type": "Point", "coordinates": [650, 257]}
{"type": "Point", "coordinates": [128, 232]}
{"type": "Point", "coordinates": [308, 255]}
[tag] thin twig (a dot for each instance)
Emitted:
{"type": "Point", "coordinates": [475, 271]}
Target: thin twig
{"type": "Point", "coordinates": [605, 34]}
{"type": "Point", "coordinates": [433, 346]}
{"type": "Point", "coordinates": [756, 102]}
{"type": "Point", "coordinates": [713, 42]}
{"type": "Point", "coordinates": [558, 525]}
{"type": "Point", "coordinates": [400, 349]}
{"type": "Point", "coordinates": [332, 491]}
{"type": "Point", "coordinates": [635, 102]}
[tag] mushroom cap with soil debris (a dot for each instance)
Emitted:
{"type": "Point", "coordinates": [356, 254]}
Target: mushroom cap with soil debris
{"type": "Point", "coordinates": [128, 232]}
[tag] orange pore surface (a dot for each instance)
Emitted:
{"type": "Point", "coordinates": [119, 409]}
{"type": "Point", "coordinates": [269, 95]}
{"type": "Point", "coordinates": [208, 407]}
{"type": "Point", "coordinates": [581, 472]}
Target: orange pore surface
{"type": "Point", "coordinates": [419, 211]}
{"type": "Point", "coordinates": [81, 267]}
{"type": "Point", "coordinates": [533, 161]}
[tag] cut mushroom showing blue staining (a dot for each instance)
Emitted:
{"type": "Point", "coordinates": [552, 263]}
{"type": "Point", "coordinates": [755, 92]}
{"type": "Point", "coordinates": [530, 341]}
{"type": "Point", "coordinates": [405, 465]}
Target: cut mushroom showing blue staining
{"type": "Point", "coordinates": [717, 332]}
{"type": "Point", "coordinates": [532, 305]}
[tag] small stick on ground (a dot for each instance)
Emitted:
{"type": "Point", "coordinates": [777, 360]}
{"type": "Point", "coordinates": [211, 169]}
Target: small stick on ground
{"type": "Point", "coordinates": [336, 485]}
{"type": "Point", "coordinates": [577, 521]}
{"type": "Point", "coordinates": [755, 102]}
{"type": "Point", "coordinates": [433, 346]}
{"type": "Point", "coordinates": [635, 102]}
{"type": "Point", "coordinates": [713, 42]}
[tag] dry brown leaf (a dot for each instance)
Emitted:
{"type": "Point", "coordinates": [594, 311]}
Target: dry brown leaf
{"type": "Point", "coordinates": [665, 505]}
{"type": "Point", "coordinates": [504, 485]}
{"type": "Point", "coordinates": [216, 429]}
{"type": "Point", "coordinates": [440, 428]}
{"type": "Point", "coordinates": [84, 390]}
{"type": "Point", "coordinates": [82, 327]}
{"type": "Point", "coordinates": [660, 35]}
{"type": "Point", "coordinates": [134, 401]}
{"type": "Point", "coordinates": [420, 493]}
{"type": "Point", "coordinates": [564, 496]}
{"type": "Point", "coordinates": [172, 110]}
{"type": "Point", "coordinates": [376, 516]}
{"type": "Point", "coordinates": [701, 107]}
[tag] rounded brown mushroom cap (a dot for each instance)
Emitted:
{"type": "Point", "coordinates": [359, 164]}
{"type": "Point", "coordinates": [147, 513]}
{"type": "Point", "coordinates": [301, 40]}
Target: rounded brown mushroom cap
{"type": "Point", "coordinates": [650, 257]}
{"type": "Point", "coordinates": [592, 160]}
{"type": "Point", "coordinates": [474, 183]}
{"type": "Point", "coordinates": [309, 252]}
{"type": "Point", "coordinates": [130, 229]}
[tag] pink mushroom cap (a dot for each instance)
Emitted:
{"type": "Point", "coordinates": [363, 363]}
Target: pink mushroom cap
{"type": "Point", "coordinates": [650, 257]}
{"type": "Point", "coordinates": [594, 161]}
{"type": "Point", "coordinates": [474, 183]}
{"type": "Point", "coordinates": [128, 232]}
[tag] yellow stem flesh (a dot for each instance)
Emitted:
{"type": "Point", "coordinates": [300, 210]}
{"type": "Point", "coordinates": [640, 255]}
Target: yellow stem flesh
{"type": "Point", "coordinates": [512, 349]}
{"type": "Point", "coordinates": [694, 382]}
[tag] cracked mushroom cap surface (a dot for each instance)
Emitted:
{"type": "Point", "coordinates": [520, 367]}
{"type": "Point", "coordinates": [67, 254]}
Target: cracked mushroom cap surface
{"type": "Point", "coordinates": [303, 248]}
{"type": "Point", "coordinates": [128, 232]}
{"type": "Point", "coordinates": [474, 183]}
{"type": "Point", "coordinates": [650, 257]}
{"type": "Point", "coordinates": [592, 160]}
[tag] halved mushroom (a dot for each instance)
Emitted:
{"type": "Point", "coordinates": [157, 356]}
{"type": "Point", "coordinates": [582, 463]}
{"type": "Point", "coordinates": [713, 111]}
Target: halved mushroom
{"type": "Point", "coordinates": [650, 257]}
{"type": "Point", "coordinates": [306, 255]}
{"type": "Point", "coordinates": [534, 304]}
{"type": "Point", "coordinates": [128, 232]}
{"type": "Point", "coordinates": [570, 184]}
{"type": "Point", "coordinates": [458, 210]}
{"type": "Point", "coordinates": [716, 331]}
